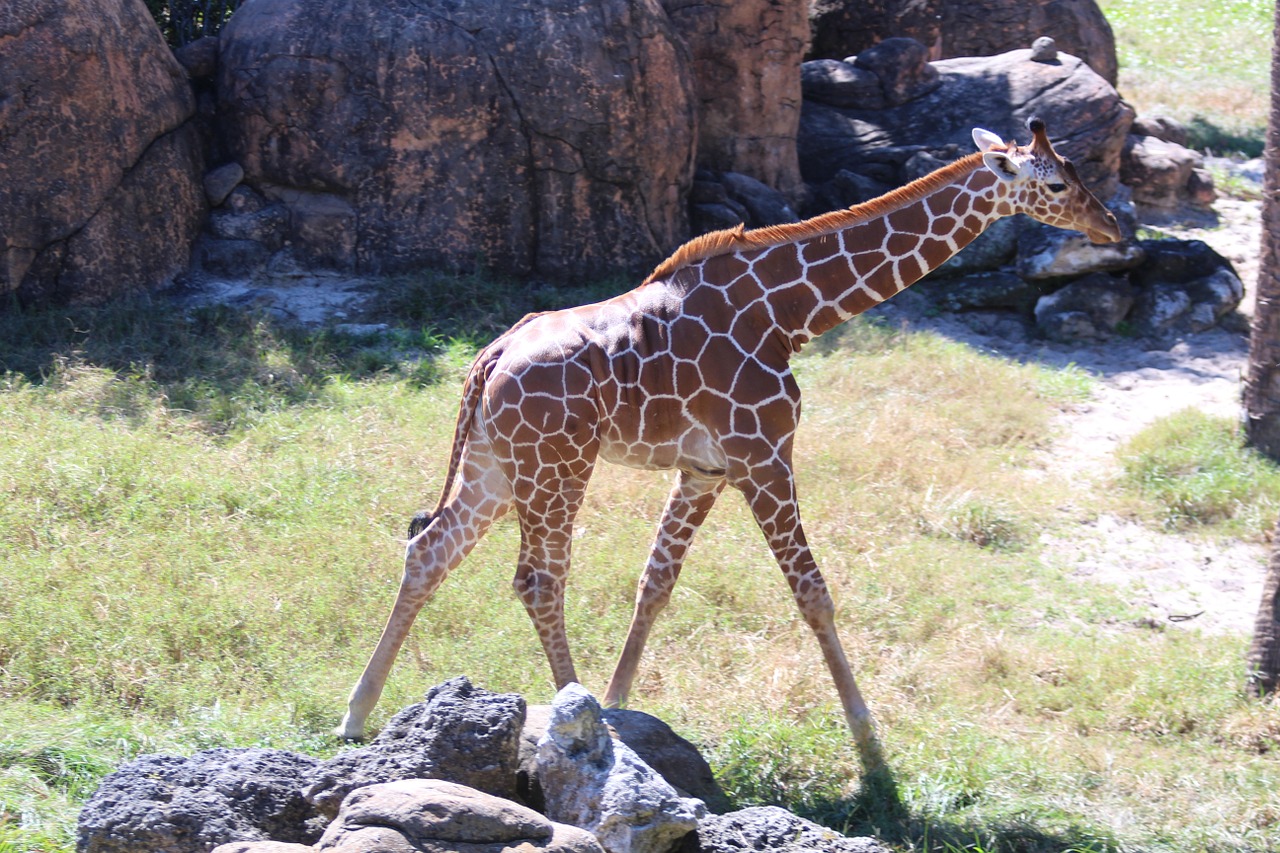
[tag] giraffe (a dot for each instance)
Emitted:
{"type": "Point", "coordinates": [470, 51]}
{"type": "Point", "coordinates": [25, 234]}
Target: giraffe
{"type": "Point", "coordinates": [690, 371]}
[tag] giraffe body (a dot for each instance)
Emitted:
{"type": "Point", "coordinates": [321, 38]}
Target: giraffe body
{"type": "Point", "coordinates": [690, 371]}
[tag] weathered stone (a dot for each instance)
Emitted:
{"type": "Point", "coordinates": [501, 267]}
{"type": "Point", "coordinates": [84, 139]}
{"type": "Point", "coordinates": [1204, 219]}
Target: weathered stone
{"type": "Point", "coordinates": [952, 28]}
{"type": "Point", "coordinates": [765, 206]}
{"type": "Point", "coordinates": [841, 84]}
{"type": "Point", "coordinates": [1177, 262]}
{"type": "Point", "coordinates": [1086, 309]}
{"type": "Point", "coordinates": [674, 758]}
{"type": "Point", "coordinates": [1052, 253]}
{"type": "Point", "coordinates": [99, 165]}
{"type": "Point", "coordinates": [459, 732]}
{"type": "Point", "coordinates": [1088, 119]}
{"type": "Point", "coordinates": [1161, 127]}
{"type": "Point", "coordinates": [266, 226]}
{"type": "Point", "coordinates": [167, 804]}
{"type": "Point", "coordinates": [590, 781]}
{"type": "Point", "coordinates": [1159, 309]}
{"type": "Point", "coordinates": [1164, 174]}
{"type": "Point", "coordinates": [745, 55]}
{"type": "Point", "coordinates": [219, 182]}
{"type": "Point", "coordinates": [199, 57]}
{"type": "Point", "coordinates": [1044, 49]}
{"type": "Point", "coordinates": [773, 829]}
{"type": "Point", "coordinates": [434, 816]}
{"type": "Point", "coordinates": [848, 188]}
{"type": "Point", "coordinates": [229, 258]}
{"type": "Point", "coordinates": [263, 847]}
{"type": "Point", "coordinates": [541, 137]}
{"type": "Point", "coordinates": [1184, 285]}
{"type": "Point", "coordinates": [715, 217]}
{"type": "Point", "coordinates": [902, 67]}
{"type": "Point", "coordinates": [981, 291]}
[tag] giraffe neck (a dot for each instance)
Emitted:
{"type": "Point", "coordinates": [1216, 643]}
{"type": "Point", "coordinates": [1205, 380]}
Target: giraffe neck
{"type": "Point", "coordinates": [817, 283]}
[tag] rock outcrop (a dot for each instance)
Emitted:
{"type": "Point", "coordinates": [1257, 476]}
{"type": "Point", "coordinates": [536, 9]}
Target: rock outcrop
{"type": "Point", "coordinates": [951, 28]}
{"type": "Point", "coordinates": [99, 164]}
{"type": "Point", "coordinates": [536, 137]}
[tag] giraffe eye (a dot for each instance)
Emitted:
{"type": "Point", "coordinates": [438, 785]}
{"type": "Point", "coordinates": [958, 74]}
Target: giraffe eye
{"type": "Point", "coordinates": [1056, 188]}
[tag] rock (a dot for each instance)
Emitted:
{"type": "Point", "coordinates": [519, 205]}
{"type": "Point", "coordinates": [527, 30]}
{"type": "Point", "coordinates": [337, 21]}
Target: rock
{"type": "Point", "coordinates": [953, 28]}
{"type": "Point", "coordinates": [775, 830]}
{"type": "Point", "coordinates": [981, 291]}
{"type": "Point", "coordinates": [1177, 262]}
{"type": "Point", "coordinates": [1184, 285]}
{"type": "Point", "coordinates": [1158, 310]}
{"type": "Point", "coordinates": [263, 847]}
{"type": "Point", "coordinates": [744, 58]}
{"type": "Point", "coordinates": [902, 67]}
{"type": "Point", "coordinates": [229, 258]}
{"type": "Point", "coordinates": [841, 84]}
{"type": "Point", "coordinates": [168, 804]}
{"type": "Point", "coordinates": [199, 57]}
{"type": "Point", "coordinates": [219, 183]}
{"type": "Point", "coordinates": [433, 816]}
{"type": "Point", "coordinates": [1089, 120]}
{"type": "Point", "coordinates": [591, 781]}
{"type": "Point", "coordinates": [765, 206]}
{"type": "Point", "coordinates": [266, 226]}
{"type": "Point", "coordinates": [1044, 49]}
{"type": "Point", "coordinates": [459, 732]}
{"type": "Point", "coordinates": [848, 188]}
{"type": "Point", "coordinates": [1089, 308]}
{"type": "Point", "coordinates": [1164, 174]}
{"type": "Point", "coordinates": [1046, 253]}
{"type": "Point", "coordinates": [1161, 127]}
{"type": "Point", "coordinates": [538, 137]}
{"type": "Point", "coordinates": [99, 163]}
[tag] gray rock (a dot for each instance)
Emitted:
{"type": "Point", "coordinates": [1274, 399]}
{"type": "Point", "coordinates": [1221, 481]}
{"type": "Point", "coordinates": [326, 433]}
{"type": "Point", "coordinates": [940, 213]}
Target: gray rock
{"type": "Point", "coordinates": [263, 847]}
{"type": "Point", "coordinates": [434, 816]}
{"type": "Point", "coordinates": [848, 188]}
{"type": "Point", "coordinates": [1044, 49]}
{"type": "Point", "coordinates": [981, 291]}
{"type": "Point", "coordinates": [1052, 253]}
{"type": "Point", "coordinates": [766, 206]}
{"type": "Point", "coordinates": [459, 732]}
{"type": "Point", "coordinates": [1163, 174]}
{"type": "Point", "coordinates": [168, 804]}
{"type": "Point", "coordinates": [266, 226]}
{"type": "Point", "coordinates": [1088, 119]}
{"type": "Point", "coordinates": [1089, 308]}
{"type": "Point", "coordinates": [591, 781]}
{"type": "Point", "coordinates": [230, 258]}
{"type": "Point", "coordinates": [199, 57]}
{"type": "Point", "coordinates": [902, 67]}
{"type": "Point", "coordinates": [219, 182]}
{"type": "Point", "coordinates": [769, 828]}
{"type": "Point", "coordinates": [841, 84]}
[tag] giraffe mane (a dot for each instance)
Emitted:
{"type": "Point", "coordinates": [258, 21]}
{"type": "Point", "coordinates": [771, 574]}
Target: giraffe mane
{"type": "Point", "coordinates": [738, 238]}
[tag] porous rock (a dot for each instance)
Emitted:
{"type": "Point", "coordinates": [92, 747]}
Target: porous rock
{"type": "Point", "coordinates": [460, 732]}
{"type": "Point", "coordinates": [533, 137]}
{"type": "Point", "coordinates": [99, 162]}
{"type": "Point", "coordinates": [1183, 285]}
{"type": "Point", "coordinates": [169, 804]}
{"type": "Point", "coordinates": [591, 781]}
{"type": "Point", "coordinates": [775, 830]}
{"type": "Point", "coordinates": [1047, 253]}
{"type": "Point", "coordinates": [434, 816]}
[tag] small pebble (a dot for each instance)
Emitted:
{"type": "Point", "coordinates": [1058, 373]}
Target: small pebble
{"type": "Point", "coordinates": [1044, 49]}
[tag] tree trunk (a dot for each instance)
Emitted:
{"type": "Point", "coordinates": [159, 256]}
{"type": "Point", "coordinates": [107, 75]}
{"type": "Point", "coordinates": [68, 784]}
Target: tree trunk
{"type": "Point", "coordinates": [1262, 387]}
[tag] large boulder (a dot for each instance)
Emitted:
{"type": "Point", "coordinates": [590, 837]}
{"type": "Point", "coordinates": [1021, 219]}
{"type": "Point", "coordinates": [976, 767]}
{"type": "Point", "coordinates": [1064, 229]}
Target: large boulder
{"type": "Point", "coordinates": [99, 164]}
{"type": "Point", "coordinates": [532, 137]}
{"type": "Point", "coordinates": [746, 56]}
{"type": "Point", "coordinates": [168, 804]}
{"type": "Point", "coordinates": [773, 829]}
{"type": "Point", "coordinates": [1087, 118]}
{"type": "Point", "coordinates": [951, 28]}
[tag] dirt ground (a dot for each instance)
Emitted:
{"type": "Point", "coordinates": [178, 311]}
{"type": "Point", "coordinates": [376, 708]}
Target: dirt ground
{"type": "Point", "coordinates": [1181, 581]}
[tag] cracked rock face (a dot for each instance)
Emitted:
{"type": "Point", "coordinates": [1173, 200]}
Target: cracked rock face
{"type": "Point", "coordinates": [99, 164]}
{"type": "Point", "coordinates": [541, 138]}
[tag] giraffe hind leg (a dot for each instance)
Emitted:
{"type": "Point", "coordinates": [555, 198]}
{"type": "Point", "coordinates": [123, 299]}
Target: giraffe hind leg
{"type": "Point", "coordinates": [439, 545]}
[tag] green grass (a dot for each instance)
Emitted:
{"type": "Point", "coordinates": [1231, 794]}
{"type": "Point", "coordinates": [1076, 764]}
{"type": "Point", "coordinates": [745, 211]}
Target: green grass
{"type": "Point", "coordinates": [199, 540]}
{"type": "Point", "coordinates": [1205, 64]}
{"type": "Point", "coordinates": [1196, 471]}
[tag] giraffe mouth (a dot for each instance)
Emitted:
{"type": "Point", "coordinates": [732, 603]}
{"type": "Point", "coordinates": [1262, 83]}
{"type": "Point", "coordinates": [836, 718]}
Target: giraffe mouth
{"type": "Point", "coordinates": [1109, 233]}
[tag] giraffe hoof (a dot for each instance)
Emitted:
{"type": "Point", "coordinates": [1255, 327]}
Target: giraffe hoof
{"type": "Point", "coordinates": [420, 522]}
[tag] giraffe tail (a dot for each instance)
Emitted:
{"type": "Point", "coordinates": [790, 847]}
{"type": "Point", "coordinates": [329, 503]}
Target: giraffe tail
{"type": "Point", "coordinates": [472, 390]}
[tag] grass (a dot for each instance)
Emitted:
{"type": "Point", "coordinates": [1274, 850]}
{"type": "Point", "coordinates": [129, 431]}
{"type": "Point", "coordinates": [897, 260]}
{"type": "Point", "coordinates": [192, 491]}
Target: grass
{"type": "Point", "coordinates": [199, 537]}
{"type": "Point", "coordinates": [1205, 64]}
{"type": "Point", "coordinates": [1197, 472]}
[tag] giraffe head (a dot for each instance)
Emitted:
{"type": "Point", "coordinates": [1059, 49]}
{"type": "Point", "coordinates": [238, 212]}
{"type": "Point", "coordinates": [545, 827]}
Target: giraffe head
{"type": "Point", "coordinates": [1045, 186]}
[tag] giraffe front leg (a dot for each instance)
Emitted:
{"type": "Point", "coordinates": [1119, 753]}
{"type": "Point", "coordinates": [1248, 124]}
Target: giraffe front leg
{"type": "Point", "coordinates": [773, 503]}
{"type": "Point", "coordinates": [691, 499]}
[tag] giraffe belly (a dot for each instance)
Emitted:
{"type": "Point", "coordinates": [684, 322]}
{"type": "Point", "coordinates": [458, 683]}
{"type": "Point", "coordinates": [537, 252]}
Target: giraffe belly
{"type": "Point", "coordinates": [693, 449]}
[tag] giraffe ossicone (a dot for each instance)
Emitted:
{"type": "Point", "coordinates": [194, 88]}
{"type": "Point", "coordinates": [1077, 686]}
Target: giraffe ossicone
{"type": "Point", "coordinates": [690, 371]}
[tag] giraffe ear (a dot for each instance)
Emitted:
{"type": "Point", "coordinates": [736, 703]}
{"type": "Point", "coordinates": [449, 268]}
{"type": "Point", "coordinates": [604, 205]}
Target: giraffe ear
{"type": "Point", "coordinates": [985, 139]}
{"type": "Point", "coordinates": [1002, 165]}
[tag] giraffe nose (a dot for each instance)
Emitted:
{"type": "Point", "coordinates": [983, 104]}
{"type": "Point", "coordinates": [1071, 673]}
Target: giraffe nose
{"type": "Point", "coordinates": [1108, 233]}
